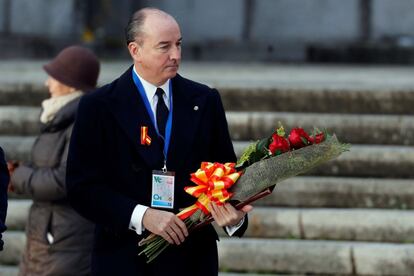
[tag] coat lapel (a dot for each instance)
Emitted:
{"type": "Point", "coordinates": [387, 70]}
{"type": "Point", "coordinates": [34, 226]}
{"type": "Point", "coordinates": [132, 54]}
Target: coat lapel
{"type": "Point", "coordinates": [131, 113]}
{"type": "Point", "coordinates": [187, 109]}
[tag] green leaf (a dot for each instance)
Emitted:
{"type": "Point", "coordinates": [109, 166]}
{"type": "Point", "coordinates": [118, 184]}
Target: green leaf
{"type": "Point", "coordinates": [263, 146]}
{"type": "Point", "coordinates": [304, 141]}
{"type": "Point", "coordinates": [245, 157]}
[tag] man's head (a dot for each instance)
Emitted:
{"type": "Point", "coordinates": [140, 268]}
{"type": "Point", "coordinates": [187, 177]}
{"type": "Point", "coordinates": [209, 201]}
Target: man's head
{"type": "Point", "coordinates": [154, 42]}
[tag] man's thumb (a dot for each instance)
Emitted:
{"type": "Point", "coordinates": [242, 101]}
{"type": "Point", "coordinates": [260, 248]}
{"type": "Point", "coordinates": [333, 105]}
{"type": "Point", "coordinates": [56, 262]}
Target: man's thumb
{"type": "Point", "coordinates": [247, 208]}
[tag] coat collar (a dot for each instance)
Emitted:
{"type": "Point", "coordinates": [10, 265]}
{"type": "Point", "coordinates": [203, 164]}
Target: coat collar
{"type": "Point", "coordinates": [129, 110]}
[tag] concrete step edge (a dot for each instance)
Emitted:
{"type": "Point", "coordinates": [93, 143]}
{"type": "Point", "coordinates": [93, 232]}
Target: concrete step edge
{"type": "Point", "coordinates": [268, 97]}
{"type": "Point", "coordinates": [9, 270]}
{"type": "Point", "coordinates": [342, 192]}
{"type": "Point", "coordinates": [331, 224]}
{"type": "Point", "coordinates": [316, 257]}
{"type": "Point", "coordinates": [350, 128]}
{"type": "Point", "coordinates": [14, 243]}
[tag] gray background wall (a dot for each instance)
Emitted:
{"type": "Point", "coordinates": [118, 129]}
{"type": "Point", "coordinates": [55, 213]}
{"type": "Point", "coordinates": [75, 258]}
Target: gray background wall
{"type": "Point", "coordinates": [283, 27]}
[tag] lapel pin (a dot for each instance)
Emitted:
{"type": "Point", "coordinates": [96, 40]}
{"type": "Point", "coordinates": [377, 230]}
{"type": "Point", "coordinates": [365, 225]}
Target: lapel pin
{"type": "Point", "coordinates": [196, 107]}
{"type": "Point", "coordinates": [145, 139]}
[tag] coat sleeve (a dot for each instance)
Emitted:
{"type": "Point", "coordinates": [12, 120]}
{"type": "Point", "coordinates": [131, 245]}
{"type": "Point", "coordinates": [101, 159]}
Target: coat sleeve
{"type": "Point", "coordinates": [4, 181]}
{"type": "Point", "coordinates": [223, 143]}
{"type": "Point", "coordinates": [88, 190]}
{"type": "Point", "coordinates": [46, 183]}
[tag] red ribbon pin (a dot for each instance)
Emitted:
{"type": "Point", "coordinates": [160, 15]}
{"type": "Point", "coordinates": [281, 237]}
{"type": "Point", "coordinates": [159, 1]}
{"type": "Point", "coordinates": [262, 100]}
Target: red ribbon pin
{"type": "Point", "coordinates": [145, 139]}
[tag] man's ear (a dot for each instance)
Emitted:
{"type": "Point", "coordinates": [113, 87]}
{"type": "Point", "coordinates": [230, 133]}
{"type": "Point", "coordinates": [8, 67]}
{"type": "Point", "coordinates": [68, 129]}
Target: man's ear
{"type": "Point", "coordinates": [135, 51]}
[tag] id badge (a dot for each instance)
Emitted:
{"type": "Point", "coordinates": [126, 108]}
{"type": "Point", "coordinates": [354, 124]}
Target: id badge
{"type": "Point", "coordinates": [162, 189]}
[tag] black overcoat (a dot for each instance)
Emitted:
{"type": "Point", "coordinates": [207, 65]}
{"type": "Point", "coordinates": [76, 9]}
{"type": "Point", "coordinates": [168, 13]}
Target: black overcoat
{"type": "Point", "coordinates": [109, 172]}
{"type": "Point", "coordinates": [4, 182]}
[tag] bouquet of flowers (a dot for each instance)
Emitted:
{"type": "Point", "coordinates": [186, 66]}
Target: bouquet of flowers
{"type": "Point", "coordinates": [263, 164]}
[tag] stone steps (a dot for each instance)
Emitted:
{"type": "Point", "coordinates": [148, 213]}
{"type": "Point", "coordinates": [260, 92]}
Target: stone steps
{"type": "Point", "coordinates": [13, 271]}
{"type": "Point", "coordinates": [17, 213]}
{"type": "Point", "coordinates": [358, 129]}
{"type": "Point", "coordinates": [316, 257]}
{"type": "Point", "coordinates": [380, 225]}
{"type": "Point", "coordinates": [337, 192]}
{"type": "Point", "coordinates": [351, 216]}
{"type": "Point", "coordinates": [324, 100]}
{"type": "Point", "coordinates": [17, 147]}
{"type": "Point", "coordinates": [361, 160]}
{"type": "Point", "coordinates": [342, 192]}
{"type": "Point", "coordinates": [19, 120]}
{"type": "Point", "coordinates": [292, 256]}
{"type": "Point", "coordinates": [329, 192]}
{"type": "Point", "coordinates": [376, 225]}
{"type": "Point", "coordinates": [350, 128]}
{"type": "Point", "coordinates": [319, 100]}
{"type": "Point", "coordinates": [365, 161]}
{"type": "Point", "coordinates": [275, 87]}
{"type": "Point", "coordinates": [6, 270]}
{"type": "Point", "coordinates": [14, 242]}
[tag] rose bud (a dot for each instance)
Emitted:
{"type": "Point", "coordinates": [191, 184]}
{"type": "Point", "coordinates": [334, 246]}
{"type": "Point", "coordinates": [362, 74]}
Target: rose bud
{"type": "Point", "coordinates": [279, 145]}
{"type": "Point", "coordinates": [298, 138]}
{"type": "Point", "coordinates": [319, 138]}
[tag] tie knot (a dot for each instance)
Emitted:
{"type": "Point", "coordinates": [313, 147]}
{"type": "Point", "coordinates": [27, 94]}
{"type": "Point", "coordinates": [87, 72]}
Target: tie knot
{"type": "Point", "coordinates": [159, 92]}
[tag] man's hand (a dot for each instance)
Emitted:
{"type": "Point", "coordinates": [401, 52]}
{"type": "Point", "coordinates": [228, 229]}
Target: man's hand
{"type": "Point", "coordinates": [166, 225]}
{"type": "Point", "coordinates": [227, 215]}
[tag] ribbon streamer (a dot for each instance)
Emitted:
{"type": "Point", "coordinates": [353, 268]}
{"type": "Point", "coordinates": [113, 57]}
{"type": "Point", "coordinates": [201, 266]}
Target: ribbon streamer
{"type": "Point", "coordinates": [213, 180]}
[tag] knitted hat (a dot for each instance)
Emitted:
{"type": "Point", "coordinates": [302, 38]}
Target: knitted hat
{"type": "Point", "coordinates": [75, 66]}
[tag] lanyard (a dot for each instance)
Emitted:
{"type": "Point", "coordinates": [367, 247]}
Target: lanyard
{"type": "Point", "coordinates": [168, 126]}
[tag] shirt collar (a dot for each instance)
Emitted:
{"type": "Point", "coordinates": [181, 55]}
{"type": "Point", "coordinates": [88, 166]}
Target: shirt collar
{"type": "Point", "coordinates": [150, 89]}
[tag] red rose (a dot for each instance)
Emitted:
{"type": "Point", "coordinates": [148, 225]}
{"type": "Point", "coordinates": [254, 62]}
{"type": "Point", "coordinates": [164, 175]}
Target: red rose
{"type": "Point", "coordinates": [298, 138]}
{"type": "Point", "coordinates": [279, 145]}
{"type": "Point", "coordinates": [319, 138]}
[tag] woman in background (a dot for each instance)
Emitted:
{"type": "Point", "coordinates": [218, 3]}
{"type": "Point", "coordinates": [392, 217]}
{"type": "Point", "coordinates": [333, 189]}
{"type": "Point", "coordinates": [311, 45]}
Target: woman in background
{"type": "Point", "coordinates": [59, 241]}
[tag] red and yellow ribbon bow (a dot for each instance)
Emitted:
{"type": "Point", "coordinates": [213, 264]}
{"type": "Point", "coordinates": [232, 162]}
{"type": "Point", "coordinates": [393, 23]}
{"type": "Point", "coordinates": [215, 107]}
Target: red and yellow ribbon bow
{"type": "Point", "coordinates": [145, 139]}
{"type": "Point", "coordinates": [213, 180]}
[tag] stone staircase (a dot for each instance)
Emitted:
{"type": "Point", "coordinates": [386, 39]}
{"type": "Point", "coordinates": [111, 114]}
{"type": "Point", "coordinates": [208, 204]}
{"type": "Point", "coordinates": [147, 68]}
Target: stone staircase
{"type": "Point", "coordinates": [351, 216]}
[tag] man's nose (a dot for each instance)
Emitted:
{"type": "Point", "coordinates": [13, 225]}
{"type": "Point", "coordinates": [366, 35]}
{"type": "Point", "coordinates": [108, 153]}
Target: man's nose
{"type": "Point", "coordinates": [176, 53]}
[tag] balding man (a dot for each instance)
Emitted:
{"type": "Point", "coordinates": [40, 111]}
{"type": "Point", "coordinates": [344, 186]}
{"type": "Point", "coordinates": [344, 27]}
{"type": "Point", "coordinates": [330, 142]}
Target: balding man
{"type": "Point", "coordinates": [148, 124]}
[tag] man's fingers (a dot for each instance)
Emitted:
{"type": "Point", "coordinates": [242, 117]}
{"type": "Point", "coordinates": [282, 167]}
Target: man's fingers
{"type": "Point", "coordinates": [173, 236]}
{"type": "Point", "coordinates": [166, 237]}
{"type": "Point", "coordinates": [218, 214]}
{"type": "Point", "coordinates": [165, 224]}
{"type": "Point", "coordinates": [213, 212]}
{"type": "Point", "coordinates": [227, 215]}
{"type": "Point", "coordinates": [176, 231]}
{"type": "Point", "coordinates": [182, 226]}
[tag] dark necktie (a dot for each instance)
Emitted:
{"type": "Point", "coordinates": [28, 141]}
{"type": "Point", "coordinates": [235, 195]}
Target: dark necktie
{"type": "Point", "coordinates": [162, 112]}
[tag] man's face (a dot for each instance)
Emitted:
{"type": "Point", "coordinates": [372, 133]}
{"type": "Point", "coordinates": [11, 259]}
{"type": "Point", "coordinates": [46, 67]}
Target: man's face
{"type": "Point", "coordinates": [159, 52]}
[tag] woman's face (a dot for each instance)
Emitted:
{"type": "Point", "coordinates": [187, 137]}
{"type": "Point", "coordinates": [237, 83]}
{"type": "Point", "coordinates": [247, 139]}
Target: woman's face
{"type": "Point", "coordinates": [57, 88]}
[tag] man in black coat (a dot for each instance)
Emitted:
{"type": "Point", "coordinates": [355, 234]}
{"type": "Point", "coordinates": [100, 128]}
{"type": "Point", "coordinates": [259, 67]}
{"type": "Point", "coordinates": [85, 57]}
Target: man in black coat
{"type": "Point", "coordinates": [149, 123]}
{"type": "Point", "coordinates": [4, 182]}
